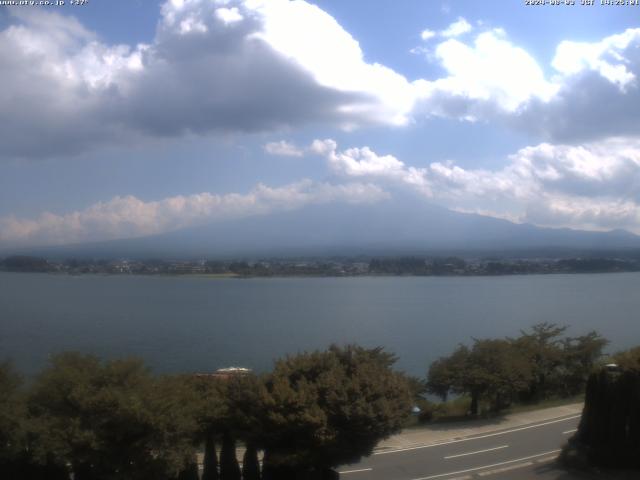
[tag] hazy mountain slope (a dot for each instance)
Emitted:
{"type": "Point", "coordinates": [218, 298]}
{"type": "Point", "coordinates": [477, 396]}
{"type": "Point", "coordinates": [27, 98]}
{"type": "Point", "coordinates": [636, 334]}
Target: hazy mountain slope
{"type": "Point", "coordinates": [388, 228]}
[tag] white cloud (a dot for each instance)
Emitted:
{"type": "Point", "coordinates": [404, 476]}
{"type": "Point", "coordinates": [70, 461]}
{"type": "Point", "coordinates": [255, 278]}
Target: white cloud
{"type": "Point", "coordinates": [427, 34]}
{"type": "Point", "coordinates": [241, 65]}
{"type": "Point", "coordinates": [283, 148]}
{"type": "Point", "coordinates": [593, 93]}
{"type": "Point", "coordinates": [599, 94]}
{"type": "Point", "coordinates": [594, 186]}
{"type": "Point", "coordinates": [313, 39]}
{"type": "Point", "coordinates": [363, 162]}
{"type": "Point", "coordinates": [229, 15]}
{"type": "Point", "coordinates": [607, 57]}
{"type": "Point", "coordinates": [258, 65]}
{"type": "Point", "coordinates": [492, 72]}
{"type": "Point", "coordinates": [457, 28]}
{"type": "Point", "coordinates": [127, 217]}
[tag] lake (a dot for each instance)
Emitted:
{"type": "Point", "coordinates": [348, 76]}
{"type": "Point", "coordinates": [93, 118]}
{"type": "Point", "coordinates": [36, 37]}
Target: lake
{"type": "Point", "coordinates": [200, 324]}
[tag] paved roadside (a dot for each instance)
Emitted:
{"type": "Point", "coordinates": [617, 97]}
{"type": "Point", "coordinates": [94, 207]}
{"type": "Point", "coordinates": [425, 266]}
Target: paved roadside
{"type": "Point", "coordinates": [437, 433]}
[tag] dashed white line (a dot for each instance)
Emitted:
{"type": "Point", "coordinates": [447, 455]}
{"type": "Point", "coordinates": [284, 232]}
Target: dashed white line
{"type": "Point", "coordinates": [476, 452]}
{"type": "Point", "coordinates": [449, 442]}
{"type": "Point", "coordinates": [344, 472]}
{"type": "Point", "coordinates": [475, 469]}
{"type": "Point", "coordinates": [570, 431]}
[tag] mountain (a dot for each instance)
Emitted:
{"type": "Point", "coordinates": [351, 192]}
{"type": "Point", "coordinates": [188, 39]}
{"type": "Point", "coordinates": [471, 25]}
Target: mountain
{"type": "Point", "coordinates": [390, 228]}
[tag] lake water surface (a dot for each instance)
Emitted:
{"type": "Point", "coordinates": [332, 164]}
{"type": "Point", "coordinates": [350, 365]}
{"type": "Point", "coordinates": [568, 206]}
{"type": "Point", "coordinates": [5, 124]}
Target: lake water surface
{"type": "Point", "coordinates": [200, 324]}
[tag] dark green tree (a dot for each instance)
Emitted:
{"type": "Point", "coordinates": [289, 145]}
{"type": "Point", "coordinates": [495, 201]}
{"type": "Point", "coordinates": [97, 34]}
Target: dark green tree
{"type": "Point", "coordinates": [609, 430]}
{"type": "Point", "coordinates": [496, 371]}
{"type": "Point", "coordinates": [12, 414]}
{"type": "Point", "coordinates": [250, 463]}
{"type": "Point", "coordinates": [491, 369]}
{"type": "Point", "coordinates": [173, 404]}
{"type": "Point", "coordinates": [229, 467]}
{"type": "Point", "coordinates": [109, 419]}
{"type": "Point", "coordinates": [210, 463]}
{"type": "Point", "coordinates": [446, 374]}
{"type": "Point", "coordinates": [324, 409]}
{"type": "Point", "coordinates": [581, 356]}
{"type": "Point", "coordinates": [190, 472]}
{"type": "Point", "coordinates": [211, 408]}
{"type": "Point", "coordinates": [15, 461]}
{"type": "Point", "coordinates": [628, 359]}
{"type": "Point", "coordinates": [543, 348]}
{"type": "Point", "coordinates": [245, 417]}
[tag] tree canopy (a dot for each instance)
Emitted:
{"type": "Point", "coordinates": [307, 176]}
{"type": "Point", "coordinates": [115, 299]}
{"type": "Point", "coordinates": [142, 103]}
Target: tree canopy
{"type": "Point", "coordinates": [332, 407]}
{"type": "Point", "coordinates": [628, 359]}
{"type": "Point", "coordinates": [109, 419]}
{"type": "Point", "coordinates": [538, 364]}
{"type": "Point", "coordinates": [12, 414]}
{"type": "Point", "coordinates": [103, 420]}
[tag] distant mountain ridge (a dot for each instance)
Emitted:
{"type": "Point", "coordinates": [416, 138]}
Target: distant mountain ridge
{"type": "Point", "coordinates": [321, 230]}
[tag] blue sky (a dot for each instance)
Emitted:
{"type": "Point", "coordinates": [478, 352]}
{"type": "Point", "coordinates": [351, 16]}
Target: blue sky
{"type": "Point", "coordinates": [126, 118]}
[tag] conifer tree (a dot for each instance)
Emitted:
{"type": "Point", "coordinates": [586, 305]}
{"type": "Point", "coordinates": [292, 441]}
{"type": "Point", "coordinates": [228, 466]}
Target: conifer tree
{"type": "Point", "coordinates": [210, 467]}
{"type": "Point", "coordinates": [229, 468]}
{"type": "Point", "coordinates": [250, 464]}
{"type": "Point", "coordinates": [191, 471]}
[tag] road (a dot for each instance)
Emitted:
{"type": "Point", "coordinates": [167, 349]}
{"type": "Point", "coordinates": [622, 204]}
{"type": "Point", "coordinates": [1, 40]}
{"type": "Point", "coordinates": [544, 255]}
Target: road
{"type": "Point", "coordinates": [529, 449]}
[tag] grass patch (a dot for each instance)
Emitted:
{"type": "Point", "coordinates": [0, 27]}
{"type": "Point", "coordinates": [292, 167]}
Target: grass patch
{"type": "Point", "coordinates": [457, 410]}
{"type": "Point", "coordinates": [549, 403]}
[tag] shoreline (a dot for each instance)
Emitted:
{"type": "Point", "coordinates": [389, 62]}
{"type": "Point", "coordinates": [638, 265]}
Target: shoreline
{"type": "Point", "coordinates": [231, 275]}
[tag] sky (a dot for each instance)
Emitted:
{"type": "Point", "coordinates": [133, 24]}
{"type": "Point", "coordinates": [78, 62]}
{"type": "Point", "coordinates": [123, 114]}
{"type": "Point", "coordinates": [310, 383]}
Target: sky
{"type": "Point", "coordinates": [126, 118]}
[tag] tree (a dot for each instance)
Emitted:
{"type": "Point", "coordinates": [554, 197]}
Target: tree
{"type": "Point", "coordinates": [22, 263]}
{"type": "Point", "coordinates": [490, 369]}
{"type": "Point", "coordinates": [609, 430]}
{"type": "Point", "coordinates": [226, 410]}
{"type": "Point", "coordinates": [536, 365]}
{"type": "Point", "coordinates": [542, 347]}
{"type": "Point", "coordinates": [110, 419]}
{"type": "Point", "coordinates": [628, 359]}
{"type": "Point", "coordinates": [210, 463]}
{"type": "Point", "coordinates": [191, 471]}
{"type": "Point", "coordinates": [323, 409]}
{"type": "Point", "coordinates": [244, 420]}
{"type": "Point", "coordinates": [446, 374]}
{"type": "Point", "coordinates": [496, 369]}
{"type": "Point", "coordinates": [173, 404]}
{"type": "Point", "coordinates": [250, 464]}
{"type": "Point", "coordinates": [210, 408]}
{"type": "Point", "coordinates": [229, 468]}
{"type": "Point", "coordinates": [13, 438]}
{"type": "Point", "coordinates": [581, 355]}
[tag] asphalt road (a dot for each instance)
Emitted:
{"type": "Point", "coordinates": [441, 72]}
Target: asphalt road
{"type": "Point", "coordinates": [528, 449]}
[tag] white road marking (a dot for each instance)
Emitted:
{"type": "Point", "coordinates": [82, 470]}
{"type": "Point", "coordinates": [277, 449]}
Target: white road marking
{"type": "Point", "coordinates": [449, 442]}
{"type": "Point", "coordinates": [479, 451]}
{"type": "Point", "coordinates": [570, 431]}
{"type": "Point", "coordinates": [355, 471]}
{"type": "Point", "coordinates": [495, 471]}
{"type": "Point", "coordinates": [547, 459]}
{"type": "Point", "coordinates": [487, 466]}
